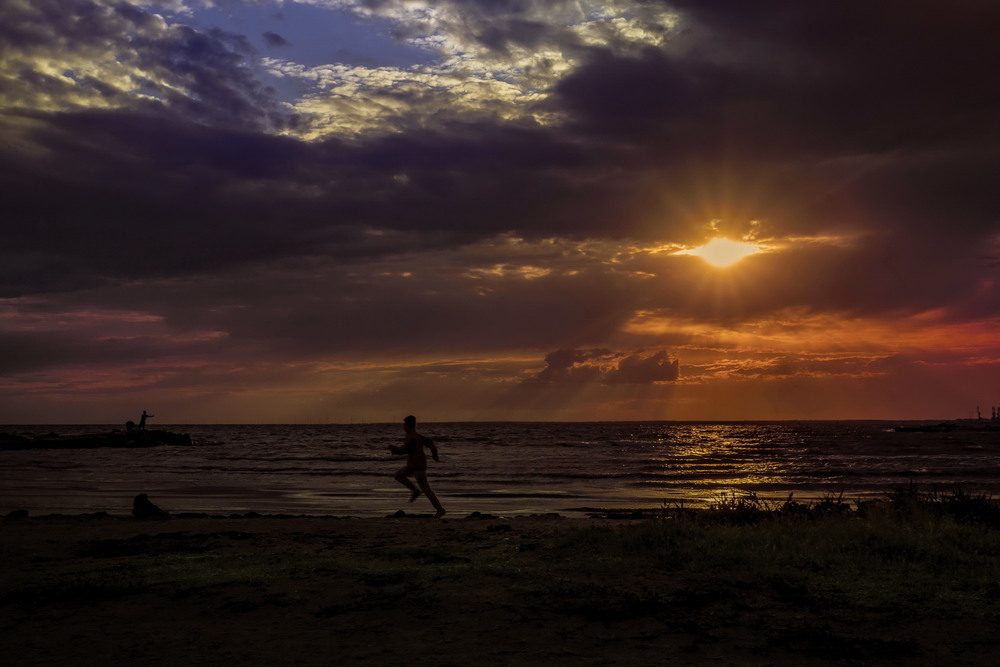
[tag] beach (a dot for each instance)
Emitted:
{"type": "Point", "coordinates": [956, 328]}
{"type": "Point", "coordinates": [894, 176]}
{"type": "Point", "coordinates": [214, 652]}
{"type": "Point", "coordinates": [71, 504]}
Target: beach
{"type": "Point", "coordinates": [483, 589]}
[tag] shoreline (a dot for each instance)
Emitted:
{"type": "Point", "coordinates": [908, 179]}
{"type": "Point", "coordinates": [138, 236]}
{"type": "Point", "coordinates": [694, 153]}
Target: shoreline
{"type": "Point", "coordinates": [301, 470]}
{"type": "Point", "coordinates": [589, 516]}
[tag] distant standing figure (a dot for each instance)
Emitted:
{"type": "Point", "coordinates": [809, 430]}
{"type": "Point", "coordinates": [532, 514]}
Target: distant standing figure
{"type": "Point", "coordinates": [416, 463]}
{"type": "Point", "coordinates": [142, 420]}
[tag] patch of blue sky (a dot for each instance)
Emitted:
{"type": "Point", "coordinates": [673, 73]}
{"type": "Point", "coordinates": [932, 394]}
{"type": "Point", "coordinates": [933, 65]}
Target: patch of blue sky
{"type": "Point", "coordinates": [310, 35]}
{"type": "Point", "coordinates": [307, 35]}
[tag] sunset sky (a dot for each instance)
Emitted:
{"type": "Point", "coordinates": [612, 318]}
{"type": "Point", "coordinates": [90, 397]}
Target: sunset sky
{"type": "Point", "coordinates": [227, 211]}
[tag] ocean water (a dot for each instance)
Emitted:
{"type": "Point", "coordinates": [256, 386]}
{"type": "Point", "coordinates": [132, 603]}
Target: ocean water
{"type": "Point", "coordinates": [500, 468]}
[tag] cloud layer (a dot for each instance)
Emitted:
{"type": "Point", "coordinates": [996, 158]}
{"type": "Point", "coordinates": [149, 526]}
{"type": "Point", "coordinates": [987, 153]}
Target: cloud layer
{"type": "Point", "coordinates": [500, 220]}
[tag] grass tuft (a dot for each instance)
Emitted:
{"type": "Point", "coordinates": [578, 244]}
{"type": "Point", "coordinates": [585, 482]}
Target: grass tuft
{"type": "Point", "coordinates": [906, 551]}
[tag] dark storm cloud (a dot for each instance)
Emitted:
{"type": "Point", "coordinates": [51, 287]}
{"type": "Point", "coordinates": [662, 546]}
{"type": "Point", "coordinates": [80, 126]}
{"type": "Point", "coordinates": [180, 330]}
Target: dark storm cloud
{"type": "Point", "coordinates": [217, 87]}
{"type": "Point", "coordinates": [568, 365]}
{"type": "Point", "coordinates": [775, 84]}
{"type": "Point", "coordinates": [163, 196]}
{"type": "Point", "coordinates": [30, 352]}
{"type": "Point", "coordinates": [180, 179]}
{"type": "Point", "coordinates": [639, 369]}
{"type": "Point", "coordinates": [140, 196]}
{"type": "Point", "coordinates": [785, 76]}
{"type": "Point", "coordinates": [607, 366]}
{"type": "Point", "coordinates": [437, 307]}
{"type": "Point", "coordinates": [814, 117]}
{"type": "Point", "coordinates": [80, 54]}
{"type": "Point", "coordinates": [681, 111]}
{"type": "Point", "coordinates": [275, 40]}
{"type": "Point", "coordinates": [315, 308]}
{"type": "Point", "coordinates": [871, 118]}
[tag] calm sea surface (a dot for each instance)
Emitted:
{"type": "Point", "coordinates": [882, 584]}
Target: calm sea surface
{"type": "Point", "coordinates": [500, 468]}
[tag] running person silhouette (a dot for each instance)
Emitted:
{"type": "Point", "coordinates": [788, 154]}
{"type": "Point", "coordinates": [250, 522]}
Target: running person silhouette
{"type": "Point", "coordinates": [416, 463]}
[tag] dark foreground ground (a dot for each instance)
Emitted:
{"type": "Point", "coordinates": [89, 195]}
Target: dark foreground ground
{"type": "Point", "coordinates": [494, 591]}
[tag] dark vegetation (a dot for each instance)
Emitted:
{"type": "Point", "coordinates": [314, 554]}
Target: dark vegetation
{"type": "Point", "coordinates": [910, 578]}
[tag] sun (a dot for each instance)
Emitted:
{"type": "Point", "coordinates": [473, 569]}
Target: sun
{"type": "Point", "coordinates": [722, 252]}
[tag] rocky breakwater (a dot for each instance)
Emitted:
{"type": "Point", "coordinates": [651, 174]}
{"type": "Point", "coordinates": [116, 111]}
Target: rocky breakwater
{"type": "Point", "coordinates": [115, 438]}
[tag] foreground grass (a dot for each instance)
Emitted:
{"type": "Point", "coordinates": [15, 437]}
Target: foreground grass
{"type": "Point", "coordinates": [909, 564]}
{"type": "Point", "coordinates": [908, 580]}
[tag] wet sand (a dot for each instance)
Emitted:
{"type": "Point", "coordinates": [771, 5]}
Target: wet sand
{"type": "Point", "coordinates": [416, 591]}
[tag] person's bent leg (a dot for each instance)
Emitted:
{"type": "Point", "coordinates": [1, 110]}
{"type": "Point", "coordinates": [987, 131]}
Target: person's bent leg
{"type": "Point", "coordinates": [403, 477]}
{"type": "Point", "coordinates": [426, 488]}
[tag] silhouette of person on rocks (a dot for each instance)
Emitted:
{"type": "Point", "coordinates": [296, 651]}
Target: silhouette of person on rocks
{"type": "Point", "coordinates": [416, 463]}
{"type": "Point", "coordinates": [142, 420]}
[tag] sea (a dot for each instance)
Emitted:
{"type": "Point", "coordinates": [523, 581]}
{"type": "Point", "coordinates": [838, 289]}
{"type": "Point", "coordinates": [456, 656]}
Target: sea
{"type": "Point", "coordinates": [504, 469]}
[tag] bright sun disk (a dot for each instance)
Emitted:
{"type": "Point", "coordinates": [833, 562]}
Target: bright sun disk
{"type": "Point", "coordinates": [722, 252]}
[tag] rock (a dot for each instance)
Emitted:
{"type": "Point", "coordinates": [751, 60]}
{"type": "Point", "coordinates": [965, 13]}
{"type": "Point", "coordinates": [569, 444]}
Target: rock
{"type": "Point", "coordinates": [143, 508]}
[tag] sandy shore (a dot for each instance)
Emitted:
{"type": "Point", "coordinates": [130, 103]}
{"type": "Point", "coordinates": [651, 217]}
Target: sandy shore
{"type": "Point", "coordinates": [416, 591]}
